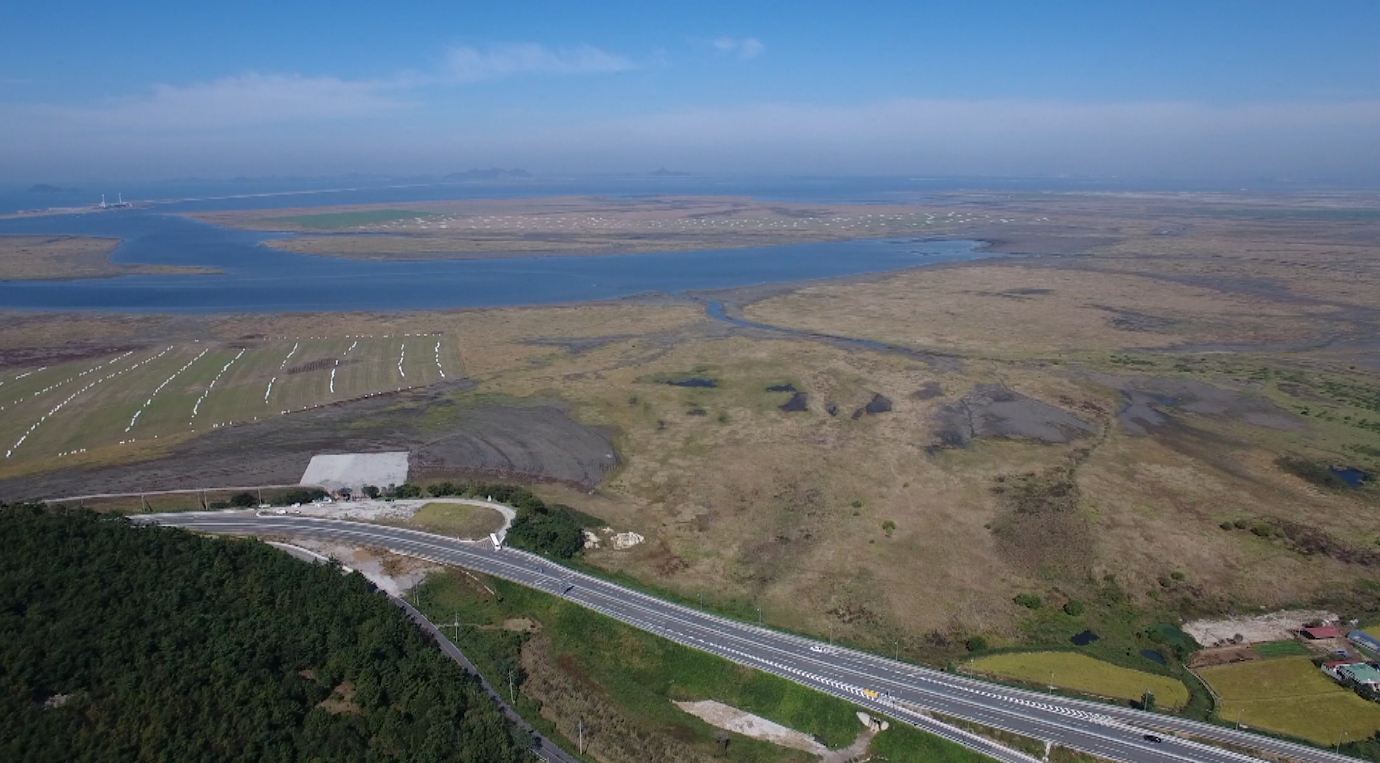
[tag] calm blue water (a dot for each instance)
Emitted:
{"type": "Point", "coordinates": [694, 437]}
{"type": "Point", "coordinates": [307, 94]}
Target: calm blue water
{"type": "Point", "coordinates": [261, 279]}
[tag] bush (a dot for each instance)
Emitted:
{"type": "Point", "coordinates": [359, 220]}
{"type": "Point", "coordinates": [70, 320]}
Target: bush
{"type": "Point", "coordinates": [976, 644]}
{"type": "Point", "coordinates": [1028, 600]}
{"type": "Point", "coordinates": [243, 500]}
{"type": "Point", "coordinates": [371, 491]}
{"type": "Point", "coordinates": [303, 495]}
{"type": "Point", "coordinates": [1073, 608]}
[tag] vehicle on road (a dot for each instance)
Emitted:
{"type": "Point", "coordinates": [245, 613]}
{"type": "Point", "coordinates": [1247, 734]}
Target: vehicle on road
{"type": "Point", "coordinates": [1153, 738]}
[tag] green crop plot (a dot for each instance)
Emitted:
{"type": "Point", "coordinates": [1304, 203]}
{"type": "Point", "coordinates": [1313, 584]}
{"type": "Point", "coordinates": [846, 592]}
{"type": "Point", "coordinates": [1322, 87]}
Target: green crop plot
{"type": "Point", "coordinates": [1291, 696]}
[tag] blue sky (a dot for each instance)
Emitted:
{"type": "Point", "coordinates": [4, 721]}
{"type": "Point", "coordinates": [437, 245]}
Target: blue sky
{"type": "Point", "coordinates": [1131, 89]}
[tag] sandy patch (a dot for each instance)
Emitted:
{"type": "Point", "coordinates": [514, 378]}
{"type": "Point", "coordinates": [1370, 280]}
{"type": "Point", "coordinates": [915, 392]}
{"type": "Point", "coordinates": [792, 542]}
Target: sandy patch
{"type": "Point", "coordinates": [738, 721]}
{"type": "Point", "coordinates": [391, 573]}
{"type": "Point", "coordinates": [1254, 629]}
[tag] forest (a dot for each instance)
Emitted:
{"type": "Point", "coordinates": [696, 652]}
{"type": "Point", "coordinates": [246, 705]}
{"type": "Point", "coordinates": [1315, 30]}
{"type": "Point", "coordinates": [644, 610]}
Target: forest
{"type": "Point", "coordinates": [126, 642]}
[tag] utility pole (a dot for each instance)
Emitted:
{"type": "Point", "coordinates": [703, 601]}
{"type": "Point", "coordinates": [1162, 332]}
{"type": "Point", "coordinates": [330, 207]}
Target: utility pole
{"type": "Point", "coordinates": [759, 614]}
{"type": "Point", "coordinates": [582, 736]}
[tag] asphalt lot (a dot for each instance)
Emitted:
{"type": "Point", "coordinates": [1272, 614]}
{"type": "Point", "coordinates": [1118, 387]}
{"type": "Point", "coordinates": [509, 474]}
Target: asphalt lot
{"type": "Point", "coordinates": [878, 684]}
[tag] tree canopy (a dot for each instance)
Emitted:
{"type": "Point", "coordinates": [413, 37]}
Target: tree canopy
{"type": "Point", "coordinates": [127, 642]}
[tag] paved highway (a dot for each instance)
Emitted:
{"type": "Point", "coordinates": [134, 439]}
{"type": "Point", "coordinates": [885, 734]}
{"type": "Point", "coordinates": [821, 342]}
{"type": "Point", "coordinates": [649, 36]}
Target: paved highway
{"type": "Point", "coordinates": [889, 687]}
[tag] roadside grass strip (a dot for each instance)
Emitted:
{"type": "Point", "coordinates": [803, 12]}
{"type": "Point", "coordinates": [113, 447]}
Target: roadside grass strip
{"type": "Point", "coordinates": [99, 380]}
{"type": "Point", "coordinates": [135, 418]}
{"type": "Point", "coordinates": [1289, 695]}
{"type": "Point", "coordinates": [1082, 673]}
{"type": "Point", "coordinates": [196, 407]}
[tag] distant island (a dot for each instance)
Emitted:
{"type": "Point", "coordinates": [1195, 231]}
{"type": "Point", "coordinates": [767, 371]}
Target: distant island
{"type": "Point", "coordinates": [48, 188]}
{"type": "Point", "coordinates": [491, 173]}
{"type": "Point", "coordinates": [662, 172]}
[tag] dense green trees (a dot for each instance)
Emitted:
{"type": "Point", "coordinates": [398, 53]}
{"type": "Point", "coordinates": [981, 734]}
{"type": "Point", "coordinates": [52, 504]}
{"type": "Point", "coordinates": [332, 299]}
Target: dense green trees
{"type": "Point", "coordinates": [124, 642]}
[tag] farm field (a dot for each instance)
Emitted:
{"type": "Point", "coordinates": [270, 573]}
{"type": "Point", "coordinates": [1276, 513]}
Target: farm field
{"type": "Point", "coordinates": [89, 410]}
{"type": "Point", "coordinates": [1290, 696]}
{"type": "Point", "coordinates": [1082, 673]}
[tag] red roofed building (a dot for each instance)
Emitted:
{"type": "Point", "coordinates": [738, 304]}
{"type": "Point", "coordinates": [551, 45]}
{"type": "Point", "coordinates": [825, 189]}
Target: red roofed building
{"type": "Point", "coordinates": [1325, 631]}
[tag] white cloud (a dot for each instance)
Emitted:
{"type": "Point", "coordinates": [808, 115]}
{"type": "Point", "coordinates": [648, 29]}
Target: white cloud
{"type": "Point", "coordinates": [470, 64]}
{"type": "Point", "coordinates": [241, 101]}
{"type": "Point", "coordinates": [742, 47]}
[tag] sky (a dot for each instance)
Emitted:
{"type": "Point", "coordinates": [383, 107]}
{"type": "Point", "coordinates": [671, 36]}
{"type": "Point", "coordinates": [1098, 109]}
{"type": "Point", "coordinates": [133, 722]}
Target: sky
{"type": "Point", "coordinates": [1273, 89]}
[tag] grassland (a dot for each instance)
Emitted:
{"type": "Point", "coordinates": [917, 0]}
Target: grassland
{"type": "Point", "coordinates": [353, 219]}
{"type": "Point", "coordinates": [52, 257]}
{"type": "Point", "coordinates": [457, 520]}
{"type": "Point", "coordinates": [571, 664]}
{"type": "Point", "coordinates": [1082, 673]}
{"type": "Point", "coordinates": [1196, 344]}
{"type": "Point", "coordinates": [580, 225]}
{"type": "Point", "coordinates": [1290, 696]}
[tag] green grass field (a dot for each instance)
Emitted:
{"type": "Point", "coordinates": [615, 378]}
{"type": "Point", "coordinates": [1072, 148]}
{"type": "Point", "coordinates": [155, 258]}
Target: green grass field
{"type": "Point", "coordinates": [1290, 696]}
{"type": "Point", "coordinates": [162, 384]}
{"type": "Point", "coordinates": [1081, 673]}
{"type": "Point", "coordinates": [1289, 648]}
{"type": "Point", "coordinates": [458, 520]}
{"type": "Point", "coordinates": [341, 220]}
{"type": "Point", "coordinates": [640, 674]}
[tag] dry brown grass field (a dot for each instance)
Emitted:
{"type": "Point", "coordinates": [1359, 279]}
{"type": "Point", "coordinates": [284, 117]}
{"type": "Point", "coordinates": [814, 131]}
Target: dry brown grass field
{"type": "Point", "coordinates": [49, 257]}
{"type": "Point", "coordinates": [1111, 399]}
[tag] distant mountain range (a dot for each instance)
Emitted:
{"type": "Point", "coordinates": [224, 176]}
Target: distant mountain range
{"type": "Point", "coordinates": [491, 173]}
{"type": "Point", "coordinates": [48, 188]}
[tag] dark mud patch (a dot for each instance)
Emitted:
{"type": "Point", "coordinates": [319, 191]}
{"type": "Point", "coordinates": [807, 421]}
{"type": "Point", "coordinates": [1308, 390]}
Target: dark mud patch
{"type": "Point", "coordinates": [30, 357]}
{"type": "Point", "coordinates": [445, 439]}
{"type": "Point", "coordinates": [1024, 292]}
{"type": "Point", "coordinates": [1150, 403]}
{"type": "Point", "coordinates": [1040, 526]}
{"type": "Point", "coordinates": [831, 408]}
{"type": "Point", "coordinates": [928, 391]}
{"type": "Point", "coordinates": [699, 382]}
{"type": "Point", "coordinates": [308, 367]}
{"type": "Point", "coordinates": [579, 345]}
{"type": "Point", "coordinates": [1131, 320]}
{"type": "Point", "coordinates": [993, 410]}
{"type": "Point", "coordinates": [798, 403]}
{"type": "Point", "coordinates": [878, 404]}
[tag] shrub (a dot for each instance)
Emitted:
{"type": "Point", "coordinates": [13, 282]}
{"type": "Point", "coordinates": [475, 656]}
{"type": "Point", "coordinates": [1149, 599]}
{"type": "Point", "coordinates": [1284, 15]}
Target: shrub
{"type": "Point", "coordinates": [976, 644]}
{"type": "Point", "coordinates": [1073, 608]}
{"type": "Point", "coordinates": [243, 500]}
{"type": "Point", "coordinates": [1028, 600]}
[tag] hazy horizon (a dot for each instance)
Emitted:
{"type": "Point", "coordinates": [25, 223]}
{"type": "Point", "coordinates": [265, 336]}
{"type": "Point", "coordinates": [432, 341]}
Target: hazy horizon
{"type": "Point", "coordinates": [1220, 92]}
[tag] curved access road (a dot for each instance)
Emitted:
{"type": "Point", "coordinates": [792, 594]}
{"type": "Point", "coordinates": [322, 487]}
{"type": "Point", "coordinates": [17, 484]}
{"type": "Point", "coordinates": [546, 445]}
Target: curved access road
{"type": "Point", "coordinates": [900, 690]}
